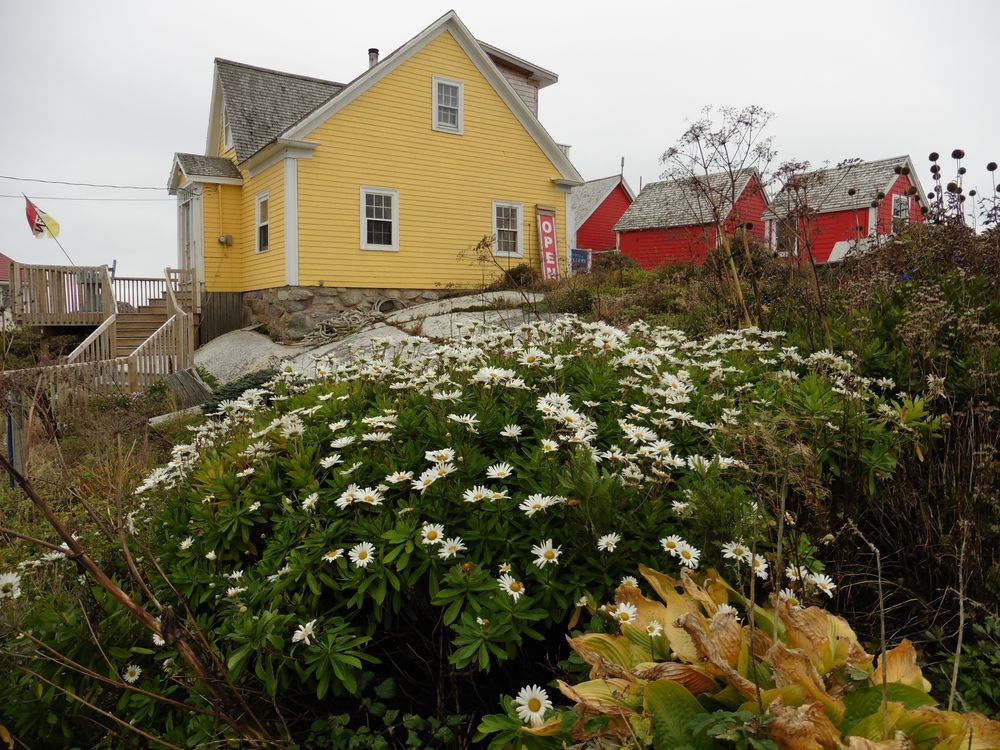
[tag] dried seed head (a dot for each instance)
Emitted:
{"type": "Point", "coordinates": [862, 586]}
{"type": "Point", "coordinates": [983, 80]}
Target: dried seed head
{"type": "Point", "coordinates": [851, 191]}
{"type": "Point", "coordinates": [962, 170]}
{"type": "Point", "coordinates": [991, 167]}
{"type": "Point", "coordinates": [952, 187]}
{"type": "Point", "coordinates": [905, 170]}
{"type": "Point", "coordinates": [911, 190]}
{"type": "Point", "coordinates": [958, 154]}
{"type": "Point", "coordinates": [972, 193]}
{"type": "Point", "coordinates": [935, 169]}
{"type": "Point", "coordinates": [934, 156]}
{"type": "Point", "coordinates": [897, 169]}
{"type": "Point", "coordinates": [880, 195]}
{"type": "Point", "coordinates": [874, 204]}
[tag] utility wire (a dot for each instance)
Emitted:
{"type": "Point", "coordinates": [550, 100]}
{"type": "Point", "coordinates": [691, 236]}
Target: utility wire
{"type": "Point", "coordinates": [81, 184]}
{"type": "Point", "coordinates": [66, 198]}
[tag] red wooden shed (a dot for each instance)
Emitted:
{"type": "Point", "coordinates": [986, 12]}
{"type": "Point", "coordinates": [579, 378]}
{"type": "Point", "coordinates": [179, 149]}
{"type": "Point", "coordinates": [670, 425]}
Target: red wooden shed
{"type": "Point", "coordinates": [676, 220]}
{"type": "Point", "coordinates": [597, 207]}
{"type": "Point", "coordinates": [833, 212]}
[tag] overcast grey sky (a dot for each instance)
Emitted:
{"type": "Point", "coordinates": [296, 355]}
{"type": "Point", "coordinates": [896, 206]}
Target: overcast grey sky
{"type": "Point", "coordinates": [106, 92]}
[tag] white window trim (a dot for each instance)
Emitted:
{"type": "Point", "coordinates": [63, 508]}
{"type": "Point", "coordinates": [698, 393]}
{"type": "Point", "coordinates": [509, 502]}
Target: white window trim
{"type": "Point", "coordinates": [435, 125]}
{"type": "Point", "coordinates": [520, 229]}
{"type": "Point", "coordinates": [363, 226]}
{"type": "Point", "coordinates": [261, 197]}
{"type": "Point", "coordinates": [227, 130]}
{"type": "Point", "coordinates": [892, 214]}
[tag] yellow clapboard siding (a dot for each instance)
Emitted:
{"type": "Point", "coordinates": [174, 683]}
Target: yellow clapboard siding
{"type": "Point", "coordinates": [262, 270]}
{"type": "Point", "coordinates": [446, 182]}
{"type": "Point", "coordinates": [222, 206]}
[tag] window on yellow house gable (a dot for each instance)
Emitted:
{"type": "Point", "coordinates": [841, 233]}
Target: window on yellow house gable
{"type": "Point", "coordinates": [379, 219]}
{"type": "Point", "coordinates": [263, 222]}
{"type": "Point", "coordinates": [448, 105]}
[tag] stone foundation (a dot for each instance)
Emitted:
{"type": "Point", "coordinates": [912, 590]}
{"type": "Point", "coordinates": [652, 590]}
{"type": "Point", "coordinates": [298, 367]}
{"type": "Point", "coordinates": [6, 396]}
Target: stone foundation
{"type": "Point", "coordinates": [290, 312]}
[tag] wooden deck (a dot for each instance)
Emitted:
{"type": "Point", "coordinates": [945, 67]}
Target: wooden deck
{"type": "Point", "coordinates": [144, 328]}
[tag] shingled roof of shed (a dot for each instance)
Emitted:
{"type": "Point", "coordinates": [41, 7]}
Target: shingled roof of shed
{"type": "Point", "coordinates": [826, 190]}
{"type": "Point", "coordinates": [588, 196]}
{"type": "Point", "coordinates": [683, 202]}
{"type": "Point", "coordinates": [261, 104]}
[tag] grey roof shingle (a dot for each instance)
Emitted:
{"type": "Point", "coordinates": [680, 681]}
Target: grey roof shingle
{"type": "Point", "coordinates": [683, 202]}
{"type": "Point", "coordinates": [207, 166]}
{"type": "Point", "coordinates": [826, 190]}
{"type": "Point", "coordinates": [261, 104]}
{"type": "Point", "coordinates": [587, 196]}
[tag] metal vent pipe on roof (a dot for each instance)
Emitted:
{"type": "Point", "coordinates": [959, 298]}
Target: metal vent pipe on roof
{"type": "Point", "coordinates": [372, 57]}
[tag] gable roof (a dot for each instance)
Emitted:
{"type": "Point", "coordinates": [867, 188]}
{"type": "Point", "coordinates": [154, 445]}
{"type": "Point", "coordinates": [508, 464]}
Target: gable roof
{"type": "Point", "coordinates": [826, 190]}
{"type": "Point", "coordinates": [266, 108]}
{"type": "Point", "coordinates": [260, 103]}
{"type": "Point", "coordinates": [591, 194]}
{"type": "Point", "coordinates": [198, 168]}
{"type": "Point", "coordinates": [682, 202]}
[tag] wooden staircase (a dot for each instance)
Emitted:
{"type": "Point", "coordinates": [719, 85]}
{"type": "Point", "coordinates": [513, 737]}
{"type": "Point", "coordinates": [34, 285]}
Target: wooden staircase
{"type": "Point", "coordinates": [145, 328]}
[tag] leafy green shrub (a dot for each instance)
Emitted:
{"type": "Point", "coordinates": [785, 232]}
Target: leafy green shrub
{"type": "Point", "coordinates": [233, 390]}
{"type": "Point", "coordinates": [435, 517]}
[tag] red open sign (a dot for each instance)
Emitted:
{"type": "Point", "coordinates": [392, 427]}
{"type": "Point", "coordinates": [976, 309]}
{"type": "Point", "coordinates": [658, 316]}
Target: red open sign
{"type": "Point", "coordinates": [548, 248]}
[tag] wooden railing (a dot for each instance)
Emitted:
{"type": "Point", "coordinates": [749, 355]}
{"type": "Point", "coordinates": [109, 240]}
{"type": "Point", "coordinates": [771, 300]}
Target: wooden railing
{"type": "Point", "coordinates": [61, 295]}
{"type": "Point", "coordinates": [99, 345]}
{"type": "Point", "coordinates": [55, 295]}
{"type": "Point", "coordinates": [136, 292]}
{"type": "Point", "coordinates": [185, 283]}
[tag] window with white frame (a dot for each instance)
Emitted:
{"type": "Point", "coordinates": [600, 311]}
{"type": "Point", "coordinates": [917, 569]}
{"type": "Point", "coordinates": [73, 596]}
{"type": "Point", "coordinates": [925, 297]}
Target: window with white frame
{"type": "Point", "coordinates": [227, 131]}
{"type": "Point", "coordinates": [900, 212]}
{"type": "Point", "coordinates": [508, 230]}
{"type": "Point", "coordinates": [263, 222]}
{"type": "Point", "coordinates": [448, 105]}
{"type": "Point", "coordinates": [379, 218]}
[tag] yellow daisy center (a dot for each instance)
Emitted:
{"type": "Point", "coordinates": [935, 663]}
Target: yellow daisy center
{"type": "Point", "coordinates": [362, 554]}
{"type": "Point", "coordinates": [534, 705]}
{"type": "Point", "coordinates": [624, 616]}
{"type": "Point", "coordinates": [516, 586]}
{"type": "Point", "coordinates": [432, 535]}
{"type": "Point", "coordinates": [550, 554]}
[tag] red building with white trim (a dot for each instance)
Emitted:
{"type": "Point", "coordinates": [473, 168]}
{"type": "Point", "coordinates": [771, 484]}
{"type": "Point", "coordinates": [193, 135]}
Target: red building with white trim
{"type": "Point", "coordinates": [831, 213]}
{"type": "Point", "coordinates": [676, 220]}
{"type": "Point", "coordinates": [597, 207]}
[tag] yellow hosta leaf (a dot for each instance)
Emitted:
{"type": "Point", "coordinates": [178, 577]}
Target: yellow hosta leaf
{"type": "Point", "coordinates": [901, 666]}
{"type": "Point", "coordinates": [727, 635]}
{"type": "Point", "coordinates": [871, 726]}
{"type": "Point", "coordinates": [862, 743]}
{"type": "Point", "coordinates": [697, 593]}
{"type": "Point", "coordinates": [804, 727]}
{"type": "Point", "coordinates": [695, 679]}
{"type": "Point", "coordinates": [674, 606]}
{"type": "Point", "coordinates": [613, 696]}
{"type": "Point", "coordinates": [930, 727]}
{"type": "Point", "coordinates": [708, 651]}
{"type": "Point", "coordinates": [600, 650]}
{"type": "Point", "coordinates": [790, 695]}
{"type": "Point", "coordinates": [827, 639]}
{"type": "Point", "coordinates": [795, 668]}
{"type": "Point", "coordinates": [548, 729]}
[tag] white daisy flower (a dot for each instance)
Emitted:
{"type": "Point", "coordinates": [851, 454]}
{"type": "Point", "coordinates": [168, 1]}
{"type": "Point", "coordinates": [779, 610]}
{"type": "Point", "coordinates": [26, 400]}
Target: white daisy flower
{"type": "Point", "coordinates": [759, 566]}
{"type": "Point", "coordinates": [629, 581]}
{"type": "Point", "coordinates": [532, 702]}
{"type": "Point", "coordinates": [342, 442]}
{"type": "Point", "coordinates": [625, 612]}
{"type": "Point", "coordinates": [823, 582]}
{"type": "Point", "coordinates": [511, 586]}
{"type": "Point", "coordinates": [688, 555]}
{"type": "Point", "coordinates": [399, 476]}
{"type": "Point", "coordinates": [511, 431]}
{"type": "Point", "coordinates": [501, 470]}
{"type": "Point", "coordinates": [608, 542]}
{"type": "Point", "coordinates": [737, 551]}
{"type": "Point", "coordinates": [432, 533]}
{"type": "Point", "coordinates": [451, 547]}
{"type": "Point", "coordinates": [310, 502]}
{"type": "Point", "coordinates": [440, 456]}
{"type": "Point", "coordinates": [186, 543]}
{"type": "Point", "coordinates": [330, 461]}
{"type": "Point", "coordinates": [333, 554]}
{"type": "Point", "coordinates": [10, 586]}
{"type": "Point", "coordinates": [672, 544]}
{"type": "Point", "coordinates": [549, 446]}
{"type": "Point", "coordinates": [477, 494]}
{"type": "Point", "coordinates": [362, 554]}
{"type": "Point", "coordinates": [545, 553]}
{"type": "Point", "coordinates": [787, 595]}
{"type": "Point", "coordinates": [654, 629]}
{"type": "Point", "coordinates": [131, 673]}
{"type": "Point", "coordinates": [304, 632]}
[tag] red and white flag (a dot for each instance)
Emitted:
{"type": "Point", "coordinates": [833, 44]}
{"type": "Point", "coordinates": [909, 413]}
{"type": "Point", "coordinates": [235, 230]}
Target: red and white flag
{"type": "Point", "coordinates": [39, 221]}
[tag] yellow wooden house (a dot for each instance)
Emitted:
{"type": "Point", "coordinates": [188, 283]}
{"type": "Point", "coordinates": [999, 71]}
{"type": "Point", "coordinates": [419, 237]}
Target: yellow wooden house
{"type": "Point", "coordinates": [315, 196]}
